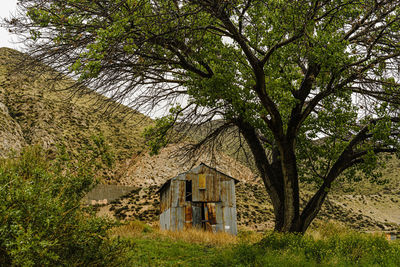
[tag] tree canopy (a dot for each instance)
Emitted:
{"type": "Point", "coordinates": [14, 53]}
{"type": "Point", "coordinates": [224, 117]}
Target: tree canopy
{"type": "Point", "coordinates": [311, 86]}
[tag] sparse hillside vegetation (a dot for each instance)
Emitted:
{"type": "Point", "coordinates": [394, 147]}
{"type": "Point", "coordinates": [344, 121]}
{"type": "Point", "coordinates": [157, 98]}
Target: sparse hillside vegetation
{"type": "Point", "coordinates": [38, 110]}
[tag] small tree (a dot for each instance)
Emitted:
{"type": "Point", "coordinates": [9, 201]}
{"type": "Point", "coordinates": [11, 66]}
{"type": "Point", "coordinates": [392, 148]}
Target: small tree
{"type": "Point", "coordinates": [312, 86]}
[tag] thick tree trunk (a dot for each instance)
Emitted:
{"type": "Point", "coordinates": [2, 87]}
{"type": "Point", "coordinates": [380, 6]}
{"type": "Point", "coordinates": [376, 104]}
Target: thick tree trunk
{"type": "Point", "coordinates": [280, 178]}
{"type": "Point", "coordinates": [290, 188]}
{"type": "Point", "coordinates": [298, 223]}
{"type": "Point", "coordinates": [287, 204]}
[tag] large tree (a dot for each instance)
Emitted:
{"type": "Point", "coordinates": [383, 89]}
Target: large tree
{"type": "Point", "coordinates": [311, 86]}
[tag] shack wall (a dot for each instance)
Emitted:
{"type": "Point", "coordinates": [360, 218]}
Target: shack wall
{"type": "Point", "coordinates": [178, 214]}
{"type": "Point", "coordinates": [165, 199]}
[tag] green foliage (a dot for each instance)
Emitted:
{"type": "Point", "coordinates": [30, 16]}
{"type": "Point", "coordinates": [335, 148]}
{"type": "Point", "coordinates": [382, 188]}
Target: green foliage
{"type": "Point", "coordinates": [41, 219]}
{"type": "Point", "coordinates": [346, 249]}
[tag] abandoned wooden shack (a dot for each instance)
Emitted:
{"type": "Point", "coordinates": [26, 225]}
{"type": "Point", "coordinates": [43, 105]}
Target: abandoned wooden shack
{"type": "Point", "coordinates": [202, 197]}
{"type": "Point", "coordinates": [390, 236]}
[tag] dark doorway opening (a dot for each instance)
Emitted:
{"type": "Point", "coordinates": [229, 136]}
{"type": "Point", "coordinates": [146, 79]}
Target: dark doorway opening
{"type": "Point", "coordinates": [188, 196]}
{"type": "Point", "coordinates": [204, 216]}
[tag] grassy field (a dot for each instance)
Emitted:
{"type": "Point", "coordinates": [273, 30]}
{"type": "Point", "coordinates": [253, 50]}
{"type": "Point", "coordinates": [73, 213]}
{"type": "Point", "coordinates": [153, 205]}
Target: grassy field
{"type": "Point", "coordinates": [328, 245]}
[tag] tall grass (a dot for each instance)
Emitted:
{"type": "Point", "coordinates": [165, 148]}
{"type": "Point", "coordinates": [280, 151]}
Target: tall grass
{"type": "Point", "coordinates": [327, 245]}
{"type": "Point", "coordinates": [137, 229]}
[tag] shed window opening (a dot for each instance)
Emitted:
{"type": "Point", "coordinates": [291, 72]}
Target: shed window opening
{"type": "Point", "coordinates": [188, 196]}
{"type": "Point", "coordinates": [202, 181]}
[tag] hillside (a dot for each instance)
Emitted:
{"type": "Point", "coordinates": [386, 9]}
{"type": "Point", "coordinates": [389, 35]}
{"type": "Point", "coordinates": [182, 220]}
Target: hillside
{"type": "Point", "coordinates": [35, 114]}
{"type": "Point", "coordinates": [34, 110]}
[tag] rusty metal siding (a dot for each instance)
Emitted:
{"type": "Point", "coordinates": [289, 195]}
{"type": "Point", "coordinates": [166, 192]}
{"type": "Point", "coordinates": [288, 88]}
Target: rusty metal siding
{"type": "Point", "coordinates": [220, 217]}
{"type": "Point", "coordinates": [165, 220]}
{"type": "Point", "coordinates": [211, 193]}
{"type": "Point", "coordinates": [182, 193]}
{"type": "Point", "coordinates": [174, 188]}
{"type": "Point", "coordinates": [165, 199]}
{"type": "Point", "coordinates": [196, 196]}
{"type": "Point", "coordinates": [228, 193]}
{"type": "Point", "coordinates": [177, 193]}
{"type": "Point", "coordinates": [213, 186]}
{"type": "Point", "coordinates": [188, 216]}
{"type": "Point", "coordinates": [180, 212]}
{"type": "Point", "coordinates": [216, 203]}
{"type": "Point", "coordinates": [196, 210]}
{"type": "Point", "coordinates": [177, 218]}
{"type": "Point", "coordinates": [212, 217]}
{"type": "Point", "coordinates": [229, 215]}
{"type": "Point", "coordinates": [202, 181]}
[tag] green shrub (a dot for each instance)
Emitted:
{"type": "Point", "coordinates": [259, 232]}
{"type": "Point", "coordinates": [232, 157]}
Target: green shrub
{"type": "Point", "coordinates": [41, 219]}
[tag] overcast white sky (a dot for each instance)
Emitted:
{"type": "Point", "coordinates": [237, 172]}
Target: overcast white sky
{"type": "Point", "coordinates": [7, 7]}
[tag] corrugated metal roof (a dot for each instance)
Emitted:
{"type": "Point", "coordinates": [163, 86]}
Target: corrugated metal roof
{"type": "Point", "coordinates": [169, 180]}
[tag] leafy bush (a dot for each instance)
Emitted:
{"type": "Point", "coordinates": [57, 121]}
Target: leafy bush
{"type": "Point", "coordinates": [41, 219]}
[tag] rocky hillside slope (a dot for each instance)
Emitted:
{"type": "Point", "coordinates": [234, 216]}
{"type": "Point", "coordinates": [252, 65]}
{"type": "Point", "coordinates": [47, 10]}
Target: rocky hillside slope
{"type": "Point", "coordinates": [34, 110]}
